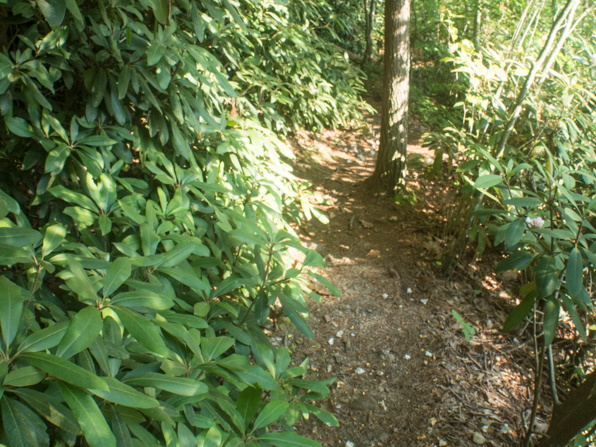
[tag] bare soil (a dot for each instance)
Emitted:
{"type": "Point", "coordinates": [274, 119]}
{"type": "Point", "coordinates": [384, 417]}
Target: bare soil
{"type": "Point", "coordinates": [405, 373]}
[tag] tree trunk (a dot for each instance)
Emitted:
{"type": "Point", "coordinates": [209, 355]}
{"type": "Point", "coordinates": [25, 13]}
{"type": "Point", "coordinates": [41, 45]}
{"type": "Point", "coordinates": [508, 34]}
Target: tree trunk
{"type": "Point", "coordinates": [391, 161]}
{"type": "Point", "coordinates": [370, 7]}
{"type": "Point", "coordinates": [577, 411]}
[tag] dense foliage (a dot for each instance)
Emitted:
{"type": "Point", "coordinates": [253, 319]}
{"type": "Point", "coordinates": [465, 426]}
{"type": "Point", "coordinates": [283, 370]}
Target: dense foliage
{"type": "Point", "coordinates": [526, 151]}
{"type": "Point", "coordinates": [145, 211]}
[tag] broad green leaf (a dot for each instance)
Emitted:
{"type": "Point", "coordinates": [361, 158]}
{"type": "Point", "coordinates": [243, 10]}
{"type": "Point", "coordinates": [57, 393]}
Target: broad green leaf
{"type": "Point", "coordinates": [515, 232]}
{"type": "Point", "coordinates": [80, 283]}
{"type": "Point", "coordinates": [70, 196]}
{"type": "Point", "coordinates": [547, 276]}
{"type": "Point", "coordinates": [288, 439]}
{"type": "Point", "coordinates": [180, 142]}
{"type": "Point", "coordinates": [282, 361]}
{"type": "Point", "coordinates": [248, 403]}
{"type": "Point", "coordinates": [49, 408]}
{"type": "Point", "coordinates": [213, 437]}
{"type": "Point", "coordinates": [517, 260]}
{"type": "Point", "coordinates": [64, 370]}
{"type": "Point", "coordinates": [143, 298]}
{"type": "Point", "coordinates": [255, 375]}
{"type": "Point", "coordinates": [185, 436]}
{"type": "Point", "coordinates": [122, 394]}
{"type": "Point", "coordinates": [295, 311]}
{"type": "Point", "coordinates": [271, 413]}
{"type": "Point", "coordinates": [93, 424]}
{"type": "Point", "coordinates": [82, 330]}
{"type": "Point", "coordinates": [72, 6]}
{"type": "Point", "coordinates": [22, 427]}
{"type": "Point", "coordinates": [551, 320]}
{"type": "Point", "coordinates": [316, 386]}
{"type": "Point", "coordinates": [11, 309]}
{"type": "Point", "coordinates": [487, 181]}
{"type": "Point", "coordinates": [143, 330]}
{"type": "Point", "coordinates": [325, 282]}
{"type": "Point", "coordinates": [530, 202]}
{"type": "Point", "coordinates": [322, 415]}
{"type": "Point", "coordinates": [19, 237]}
{"type": "Point", "coordinates": [53, 237]}
{"type": "Point", "coordinates": [519, 313]}
{"type": "Point", "coordinates": [19, 126]}
{"type": "Point", "coordinates": [574, 273]}
{"type": "Point", "coordinates": [56, 159]}
{"type": "Point", "coordinates": [121, 430]}
{"type": "Point", "coordinates": [176, 385]}
{"type": "Point", "coordinates": [572, 311]}
{"type": "Point", "coordinates": [53, 11]}
{"type": "Point", "coordinates": [116, 275]}
{"type": "Point", "coordinates": [314, 259]}
{"type": "Point", "coordinates": [45, 338]}
{"type": "Point", "coordinates": [25, 376]}
{"type": "Point", "coordinates": [161, 10]}
{"type": "Point", "coordinates": [213, 347]}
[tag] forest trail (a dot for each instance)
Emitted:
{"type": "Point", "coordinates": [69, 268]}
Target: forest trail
{"type": "Point", "coordinates": [406, 375]}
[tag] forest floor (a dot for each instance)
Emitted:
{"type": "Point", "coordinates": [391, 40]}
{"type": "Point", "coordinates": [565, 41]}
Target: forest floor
{"type": "Point", "coordinates": [405, 373]}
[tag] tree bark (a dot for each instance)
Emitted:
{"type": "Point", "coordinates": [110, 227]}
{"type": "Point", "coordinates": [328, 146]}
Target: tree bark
{"type": "Point", "coordinates": [369, 28]}
{"type": "Point", "coordinates": [577, 411]}
{"type": "Point", "coordinates": [391, 162]}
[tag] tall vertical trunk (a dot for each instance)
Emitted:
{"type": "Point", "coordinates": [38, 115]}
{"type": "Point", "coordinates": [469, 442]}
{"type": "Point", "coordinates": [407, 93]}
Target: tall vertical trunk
{"type": "Point", "coordinates": [370, 7]}
{"type": "Point", "coordinates": [391, 162]}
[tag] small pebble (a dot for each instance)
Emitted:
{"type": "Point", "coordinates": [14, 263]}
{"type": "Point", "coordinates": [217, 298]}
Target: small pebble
{"type": "Point", "coordinates": [424, 301]}
{"type": "Point", "coordinates": [478, 438]}
{"type": "Point", "coordinates": [407, 357]}
{"type": "Point", "coordinates": [331, 341]}
{"type": "Point", "coordinates": [360, 370]}
{"type": "Point", "coordinates": [385, 295]}
{"type": "Point", "coordinates": [339, 334]}
{"type": "Point", "coordinates": [349, 444]}
{"type": "Point", "coordinates": [408, 290]}
{"type": "Point", "coordinates": [428, 354]}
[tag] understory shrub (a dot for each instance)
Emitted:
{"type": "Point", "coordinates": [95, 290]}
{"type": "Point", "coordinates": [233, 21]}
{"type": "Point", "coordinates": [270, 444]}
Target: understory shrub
{"type": "Point", "coordinates": [145, 211]}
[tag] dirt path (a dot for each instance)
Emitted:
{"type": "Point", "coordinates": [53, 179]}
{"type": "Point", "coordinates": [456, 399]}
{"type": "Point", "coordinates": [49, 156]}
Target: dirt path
{"type": "Point", "coordinates": [406, 376]}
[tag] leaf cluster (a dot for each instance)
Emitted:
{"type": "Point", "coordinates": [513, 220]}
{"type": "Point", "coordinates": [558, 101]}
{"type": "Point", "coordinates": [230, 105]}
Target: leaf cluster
{"type": "Point", "coordinates": [145, 211]}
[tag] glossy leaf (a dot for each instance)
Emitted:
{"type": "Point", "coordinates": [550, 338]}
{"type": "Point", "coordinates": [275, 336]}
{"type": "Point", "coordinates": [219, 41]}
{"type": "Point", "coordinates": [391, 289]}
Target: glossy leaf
{"type": "Point", "coordinates": [176, 385]}
{"type": "Point", "coordinates": [96, 430]}
{"type": "Point", "coordinates": [270, 413]}
{"type": "Point", "coordinates": [19, 237]}
{"type": "Point", "coordinates": [551, 320]}
{"type": "Point", "coordinates": [64, 370]}
{"type": "Point", "coordinates": [22, 427]}
{"type": "Point", "coordinates": [574, 275]}
{"type": "Point", "coordinates": [143, 298]}
{"type": "Point", "coordinates": [143, 330]}
{"type": "Point", "coordinates": [25, 376]}
{"type": "Point", "coordinates": [52, 239]}
{"type": "Point", "coordinates": [49, 408]}
{"type": "Point", "coordinates": [116, 275]}
{"type": "Point", "coordinates": [248, 403]}
{"type": "Point", "coordinates": [45, 338]}
{"type": "Point", "coordinates": [82, 330]}
{"type": "Point", "coordinates": [122, 394]}
{"type": "Point", "coordinates": [11, 309]}
{"type": "Point", "coordinates": [488, 181]}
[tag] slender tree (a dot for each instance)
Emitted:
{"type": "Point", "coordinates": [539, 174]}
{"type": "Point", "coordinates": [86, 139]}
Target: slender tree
{"type": "Point", "coordinates": [391, 162]}
{"type": "Point", "coordinates": [369, 28]}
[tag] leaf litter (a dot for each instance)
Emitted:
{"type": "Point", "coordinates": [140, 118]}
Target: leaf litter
{"type": "Point", "coordinates": [406, 376]}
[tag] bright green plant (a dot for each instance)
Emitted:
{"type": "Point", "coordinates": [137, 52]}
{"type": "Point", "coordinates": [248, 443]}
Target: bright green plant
{"type": "Point", "coordinates": [144, 228]}
{"type": "Point", "coordinates": [527, 156]}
